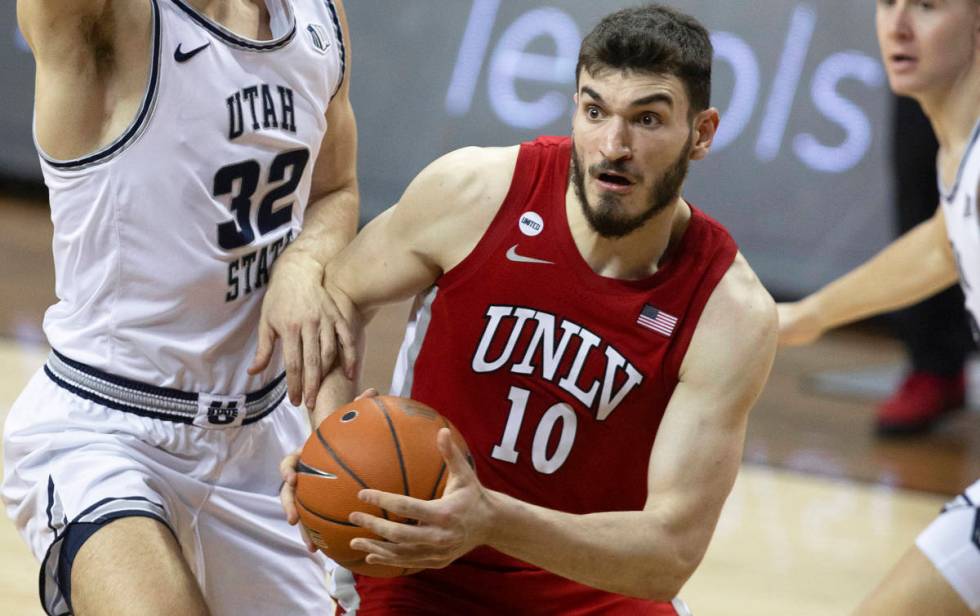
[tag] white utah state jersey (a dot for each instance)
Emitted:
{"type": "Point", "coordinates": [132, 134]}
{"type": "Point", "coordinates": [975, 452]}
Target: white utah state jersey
{"type": "Point", "coordinates": [165, 238]}
{"type": "Point", "coordinates": [963, 226]}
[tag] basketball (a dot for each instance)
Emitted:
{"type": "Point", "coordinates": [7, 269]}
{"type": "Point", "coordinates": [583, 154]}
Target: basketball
{"type": "Point", "coordinates": [385, 443]}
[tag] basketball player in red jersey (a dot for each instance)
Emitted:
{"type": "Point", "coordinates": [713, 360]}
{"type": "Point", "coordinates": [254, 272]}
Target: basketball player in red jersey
{"type": "Point", "coordinates": [596, 339]}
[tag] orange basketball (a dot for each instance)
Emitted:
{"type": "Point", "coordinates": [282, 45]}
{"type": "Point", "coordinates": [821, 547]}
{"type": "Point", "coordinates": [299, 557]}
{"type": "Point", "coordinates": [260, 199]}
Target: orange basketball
{"type": "Point", "coordinates": [385, 443]}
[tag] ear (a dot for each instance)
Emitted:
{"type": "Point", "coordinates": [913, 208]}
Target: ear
{"type": "Point", "coordinates": [705, 127]}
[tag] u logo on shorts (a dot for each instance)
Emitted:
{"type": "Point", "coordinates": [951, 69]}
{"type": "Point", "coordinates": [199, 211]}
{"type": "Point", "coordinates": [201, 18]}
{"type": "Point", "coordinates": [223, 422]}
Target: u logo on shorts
{"type": "Point", "coordinates": [215, 411]}
{"type": "Point", "coordinates": [222, 413]}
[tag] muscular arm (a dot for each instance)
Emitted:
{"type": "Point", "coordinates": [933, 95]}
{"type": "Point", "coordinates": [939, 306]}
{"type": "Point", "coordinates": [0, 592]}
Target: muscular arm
{"type": "Point", "coordinates": [330, 220]}
{"type": "Point", "coordinates": [695, 459]}
{"type": "Point", "coordinates": [910, 269]}
{"type": "Point", "coordinates": [437, 222]}
{"type": "Point", "coordinates": [648, 553]}
{"type": "Point", "coordinates": [295, 308]}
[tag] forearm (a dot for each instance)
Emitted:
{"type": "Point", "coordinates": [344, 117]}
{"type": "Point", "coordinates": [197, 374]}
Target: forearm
{"type": "Point", "coordinates": [335, 390]}
{"type": "Point", "coordinates": [910, 269]}
{"type": "Point", "coordinates": [635, 553]}
{"type": "Point", "coordinates": [329, 224]}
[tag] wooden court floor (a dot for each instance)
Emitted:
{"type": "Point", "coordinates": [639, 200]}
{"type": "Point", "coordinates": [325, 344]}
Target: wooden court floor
{"type": "Point", "coordinates": [820, 510]}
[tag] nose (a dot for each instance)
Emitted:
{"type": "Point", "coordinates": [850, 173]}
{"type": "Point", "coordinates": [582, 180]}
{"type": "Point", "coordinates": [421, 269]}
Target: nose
{"type": "Point", "coordinates": [897, 24]}
{"type": "Point", "coordinates": [616, 143]}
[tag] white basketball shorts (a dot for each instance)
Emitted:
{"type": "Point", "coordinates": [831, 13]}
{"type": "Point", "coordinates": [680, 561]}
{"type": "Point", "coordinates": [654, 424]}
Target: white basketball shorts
{"type": "Point", "coordinates": [82, 448]}
{"type": "Point", "coordinates": [952, 543]}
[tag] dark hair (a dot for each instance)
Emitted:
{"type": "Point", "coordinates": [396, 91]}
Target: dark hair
{"type": "Point", "coordinates": [652, 39]}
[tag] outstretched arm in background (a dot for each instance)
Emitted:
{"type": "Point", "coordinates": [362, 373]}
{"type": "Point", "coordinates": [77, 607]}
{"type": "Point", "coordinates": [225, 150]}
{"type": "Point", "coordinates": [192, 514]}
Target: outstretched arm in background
{"type": "Point", "coordinates": [915, 266]}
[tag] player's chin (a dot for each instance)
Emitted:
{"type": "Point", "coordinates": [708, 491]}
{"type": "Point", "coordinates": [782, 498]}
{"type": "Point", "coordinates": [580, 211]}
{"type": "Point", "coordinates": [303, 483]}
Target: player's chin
{"type": "Point", "coordinates": [903, 85]}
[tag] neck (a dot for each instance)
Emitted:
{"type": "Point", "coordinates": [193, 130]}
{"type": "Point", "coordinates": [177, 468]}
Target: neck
{"type": "Point", "coordinates": [633, 256]}
{"type": "Point", "coordinates": [953, 111]}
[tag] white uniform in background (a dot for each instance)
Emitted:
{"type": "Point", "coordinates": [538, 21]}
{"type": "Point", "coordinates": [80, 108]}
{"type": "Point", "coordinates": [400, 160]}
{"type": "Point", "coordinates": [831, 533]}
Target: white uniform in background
{"type": "Point", "coordinates": [163, 244]}
{"type": "Point", "coordinates": [952, 541]}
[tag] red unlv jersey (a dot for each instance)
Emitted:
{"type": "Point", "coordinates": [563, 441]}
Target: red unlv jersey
{"type": "Point", "coordinates": [557, 378]}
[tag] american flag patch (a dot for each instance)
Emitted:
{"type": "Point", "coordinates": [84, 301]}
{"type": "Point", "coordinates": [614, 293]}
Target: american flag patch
{"type": "Point", "coordinates": [657, 320]}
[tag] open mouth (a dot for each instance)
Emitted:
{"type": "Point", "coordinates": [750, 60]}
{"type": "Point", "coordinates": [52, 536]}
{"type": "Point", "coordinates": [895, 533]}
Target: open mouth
{"type": "Point", "coordinates": [901, 59]}
{"type": "Point", "coordinates": [615, 179]}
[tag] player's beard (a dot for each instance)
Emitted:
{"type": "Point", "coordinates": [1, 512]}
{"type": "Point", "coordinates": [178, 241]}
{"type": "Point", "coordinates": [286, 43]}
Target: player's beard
{"type": "Point", "coordinates": [606, 218]}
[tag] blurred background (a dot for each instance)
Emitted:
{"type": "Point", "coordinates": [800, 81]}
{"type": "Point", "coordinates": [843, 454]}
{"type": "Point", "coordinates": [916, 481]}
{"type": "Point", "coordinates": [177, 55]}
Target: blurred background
{"type": "Point", "coordinates": [799, 173]}
{"type": "Point", "coordinates": [796, 172]}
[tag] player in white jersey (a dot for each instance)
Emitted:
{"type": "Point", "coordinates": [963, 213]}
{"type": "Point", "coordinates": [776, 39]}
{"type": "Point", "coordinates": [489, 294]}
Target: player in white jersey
{"type": "Point", "coordinates": [931, 50]}
{"type": "Point", "coordinates": [185, 145]}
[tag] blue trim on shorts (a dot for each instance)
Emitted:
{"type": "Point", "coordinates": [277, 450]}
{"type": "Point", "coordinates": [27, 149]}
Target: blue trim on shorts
{"type": "Point", "coordinates": [68, 547]}
{"type": "Point", "coordinates": [75, 536]}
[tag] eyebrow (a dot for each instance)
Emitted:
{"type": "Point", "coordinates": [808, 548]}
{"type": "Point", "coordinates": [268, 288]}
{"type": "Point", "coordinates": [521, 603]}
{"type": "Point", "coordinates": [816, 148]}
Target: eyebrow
{"type": "Point", "coordinates": [659, 97]}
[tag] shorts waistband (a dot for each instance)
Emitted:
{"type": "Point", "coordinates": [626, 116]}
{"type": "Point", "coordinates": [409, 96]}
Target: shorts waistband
{"type": "Point", "coordinates": [131, 396]}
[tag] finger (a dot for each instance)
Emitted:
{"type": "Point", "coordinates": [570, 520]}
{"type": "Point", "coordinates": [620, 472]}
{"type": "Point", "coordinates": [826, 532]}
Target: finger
{"type": "Point", "coordinates": [306, 539]}
{"type": "Point", "coordinates": [287, 493]}
{"type": "Point", "coordinates": [385, 553]}
{"type": "Point", "coordinates": [328, 348]}
{"type": "Point", "coordinates": [311, 364]}
{"type": "Point", "coordinates": [409, 556]}
{"type": "Point", "coordinates": [287, 467]}
{"type": "Point", "coordinates": [263, 353]}
{"type": "Point", "coordinates": [384, 549]}
{"type": "Point", "coordinates": [370, 392]}
{"type": "Point", "coordinates": [292, 350]}
{"type": "Point", "coordinates": [456, 462]}
{"type": "Point", "coordinates": [287, 496]}
{"type": "Point", "coordinates": [404, 506]}
{"type": "Point", "coordinates": [396, 532]}
{"type": "Point", "coordinates": [348, 348]}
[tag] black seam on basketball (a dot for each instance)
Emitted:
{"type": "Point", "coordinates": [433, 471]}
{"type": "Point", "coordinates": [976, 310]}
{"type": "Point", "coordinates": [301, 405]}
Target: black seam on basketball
{"type": "Point", "coordinates": [398, 446]}
{"type": "Point", "coordinates": [323, 517]}
{"type": "Point", "coordinates": [967, 499]}
{"type": "Point", "coordinates": [337, 459]}
{"type": "Point", "coordinates": [442, 471]}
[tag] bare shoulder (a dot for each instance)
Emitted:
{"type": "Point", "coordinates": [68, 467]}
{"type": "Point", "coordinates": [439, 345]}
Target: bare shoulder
{"type": "Point", "coordinates": [459, 182]}
{"type": "Point", "coordinates": [742, 295]}
{"type": "Point", "coordinates": [61, 30]}
{"type": "Point", "coordinates": [736, 336]}
{"type": "Point", "coordinates": [471, 173]}
{"type": "Point", "coordinates": [450, 203]}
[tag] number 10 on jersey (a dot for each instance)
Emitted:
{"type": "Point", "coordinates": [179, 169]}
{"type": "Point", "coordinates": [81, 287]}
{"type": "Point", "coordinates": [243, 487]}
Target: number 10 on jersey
{"type": "Point", "coordinates": [542, 462]}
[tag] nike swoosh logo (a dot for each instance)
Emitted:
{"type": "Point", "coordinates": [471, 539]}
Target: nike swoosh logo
{"type": "Point", "coordinates": [513, 256]}
{"type": "Point", "coordinates": [182, 57]}
{"type": "Point", "coordinates": [303, 469]}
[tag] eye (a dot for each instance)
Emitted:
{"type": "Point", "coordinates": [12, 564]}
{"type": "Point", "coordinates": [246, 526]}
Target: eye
{"type": "Point", "coordinates": [593, 112]}
{"type": "Point", "coordinates": [649, 119]}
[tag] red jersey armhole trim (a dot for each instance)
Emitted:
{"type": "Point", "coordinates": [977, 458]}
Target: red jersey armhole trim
{"type": "Point", "coordinates": [721, 262]}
